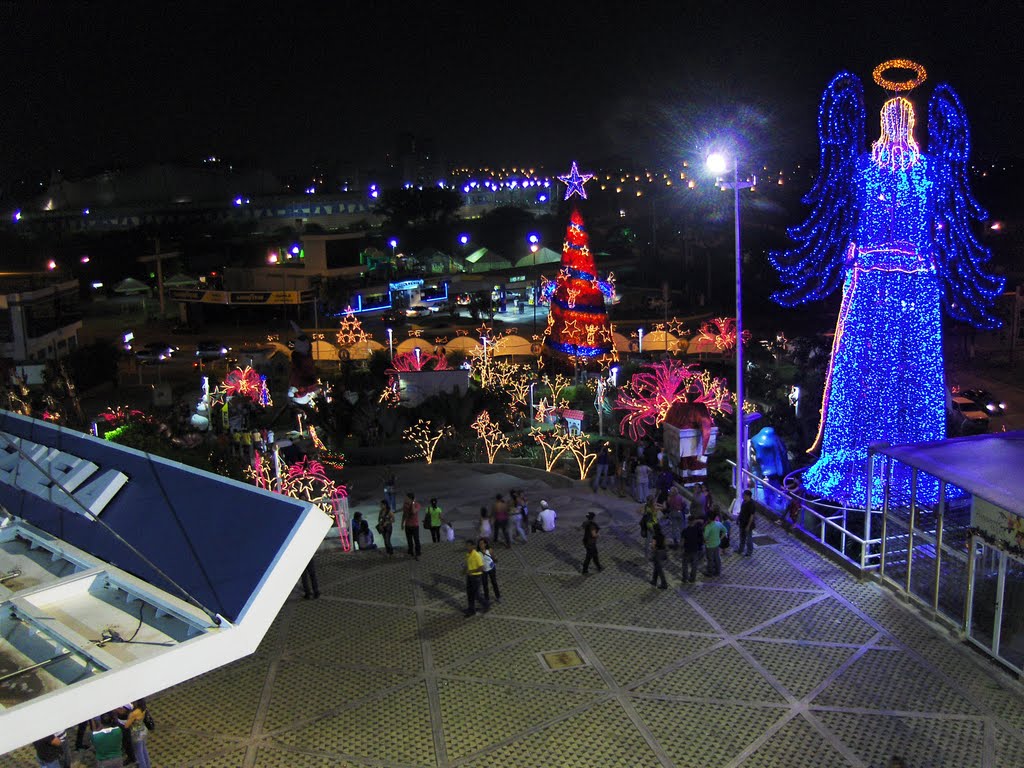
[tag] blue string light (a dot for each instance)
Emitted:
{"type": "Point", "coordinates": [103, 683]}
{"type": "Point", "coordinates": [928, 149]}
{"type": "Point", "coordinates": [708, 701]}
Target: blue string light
{"type": "Point", "coordinates": [893, 226]}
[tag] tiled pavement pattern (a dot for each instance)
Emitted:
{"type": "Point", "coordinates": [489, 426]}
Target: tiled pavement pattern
{"type": "Point", "coordinates": [784, 661]}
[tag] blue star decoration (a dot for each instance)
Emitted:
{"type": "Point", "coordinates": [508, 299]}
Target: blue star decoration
{"type": "Point", "coordinates": [574, 182]}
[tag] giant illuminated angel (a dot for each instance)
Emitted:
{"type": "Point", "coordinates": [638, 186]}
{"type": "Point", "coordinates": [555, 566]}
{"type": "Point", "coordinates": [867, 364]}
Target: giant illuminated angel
{"type": "Point", "coordinates": [892, 226]}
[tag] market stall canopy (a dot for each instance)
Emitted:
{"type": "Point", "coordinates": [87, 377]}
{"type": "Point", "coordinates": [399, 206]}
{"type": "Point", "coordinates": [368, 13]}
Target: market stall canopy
{"type": "Point", "coordinates": [118, 584]}
{"type": "Point", "coordinates": [542, 256]}
{"type": "Point", "coordinates": [130, 287]}
{"type": "Point", "coordinates": [486, 260]}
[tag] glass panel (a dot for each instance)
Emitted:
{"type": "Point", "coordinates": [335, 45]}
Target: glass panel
{"type": "Point", "coordinates": [1011, 637]}
{"type": "Point", "coordinates": [983, 610]}
{"type": "Point", "coordinates": [896, 552]}
{"type": "Point", "coordinates": [953, 575]}
{"type": "Point", "coordinates": [922, 576]}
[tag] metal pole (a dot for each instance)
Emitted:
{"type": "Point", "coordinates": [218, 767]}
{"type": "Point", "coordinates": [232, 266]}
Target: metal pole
{"type": "Point", "coordinates": [972, 558]}
{"type": "Point", "coordinates": [886, 478]}
{"type": "Point", "coordinates": [938, 543]}
{"type": "Point", "coordinates": [867, 510]}
{"type": "Point", "coordinates": [913, 522]}
{"type": "Point", "coordinates": [741, 448]}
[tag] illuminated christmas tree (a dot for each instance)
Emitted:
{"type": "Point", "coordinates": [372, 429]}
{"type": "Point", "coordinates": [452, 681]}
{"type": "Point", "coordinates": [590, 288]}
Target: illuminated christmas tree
{"type": "Point", "coordinates": [578, 327]}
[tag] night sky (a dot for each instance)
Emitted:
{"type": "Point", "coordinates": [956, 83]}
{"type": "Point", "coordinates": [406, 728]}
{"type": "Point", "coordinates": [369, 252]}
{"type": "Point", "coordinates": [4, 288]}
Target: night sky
{"type": "Point", "coordinates": [88, 86]}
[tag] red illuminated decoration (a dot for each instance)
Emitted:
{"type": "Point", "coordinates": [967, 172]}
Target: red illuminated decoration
{"type": "Point", "coordinates": [649, 395]}
{"type": "Point", "coordinates": [578, 326]}
{"type": "Point", "coordinates": [722, 331]}
{"type": "Point", "coordinates": [248, 383]}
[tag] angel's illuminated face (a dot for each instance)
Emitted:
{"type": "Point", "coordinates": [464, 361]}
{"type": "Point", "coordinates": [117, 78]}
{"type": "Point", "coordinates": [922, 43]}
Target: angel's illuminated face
{"type": "Point", "coordinates": [896, 147]}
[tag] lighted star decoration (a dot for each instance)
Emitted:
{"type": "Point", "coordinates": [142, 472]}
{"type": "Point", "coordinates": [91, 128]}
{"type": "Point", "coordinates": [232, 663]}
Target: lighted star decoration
{"type": "Point", "coordinates": [574, 182]}
{"type": "Point", "coordinates": [351, 330]}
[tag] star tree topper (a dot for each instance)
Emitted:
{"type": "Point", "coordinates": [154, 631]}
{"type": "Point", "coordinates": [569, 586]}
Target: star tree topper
{"type": "Point", "coordinates": [574, 182]}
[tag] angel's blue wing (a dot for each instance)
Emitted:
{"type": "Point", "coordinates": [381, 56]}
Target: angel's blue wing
{"type": "Point", "coordinates": [968, 290]}
{"type": "Point", "coordinates": [813, 267]}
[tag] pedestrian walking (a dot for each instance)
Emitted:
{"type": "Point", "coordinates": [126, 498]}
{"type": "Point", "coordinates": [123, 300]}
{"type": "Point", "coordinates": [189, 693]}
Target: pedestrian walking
{"type": "Point", "coordinates": [389, 488]}
{"type": "Point", "coordinates": [411, 524]}
{"type": "Point", "coordinates": [590, 532]}
{"type": "Point", "coordinates": [660, 554]}
{"type": "Point", "coordinates": [746, 524]}
{"type": "Point", "coordinates": [601, 472]}
{"type": "Point", "coordinates": [490, 571]}
{"type": "Point", "coordinates": [693, 544]}
{"type": "Point", "coordinates": [714, 531]}
{"type": "Point", "coordinates": [386, 525]}
{"type": "Point", "coordinates": [624, 476]}
{"type": "Point", "coordinates": [643, 482]}
{"type": "Point", "coordinates": [433, 519]}
{"type": "Point", "coordinates": [474, 569]}
{"type": "Point", "coordinates": [310, 583]}
{"type": "Point", "coordinates": [484, 530]}
{"type": "Point", "coordinates": [520, 515]}
{"type": "Point", "coordinates": [676, 506]}
{"type": "Point", "coordinates": [648, 519]}
{"type": "Point", "coordinates": [500, 514]}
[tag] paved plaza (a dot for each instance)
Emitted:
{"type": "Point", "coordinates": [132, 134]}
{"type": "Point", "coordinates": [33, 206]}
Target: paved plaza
{"type": "Point", "coordinates": [785, 660]}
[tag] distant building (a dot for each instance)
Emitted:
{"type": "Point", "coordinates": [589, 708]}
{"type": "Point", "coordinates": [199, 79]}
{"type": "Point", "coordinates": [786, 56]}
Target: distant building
{"type": "Point", "coordinates": [39, 317]}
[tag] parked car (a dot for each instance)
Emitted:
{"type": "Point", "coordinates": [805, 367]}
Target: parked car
{"type": "Point", "coordinates": [395, 316]}
{"type": "Point", "coordinates": [988, 402]}
{"type": "Point", "coordinates": [211, 350]}
{"type": "Point", "coordinates": [966, 418]}
{"type": "Point", "coordinates": [420, 310]}
{"type": "Point", "coordinates": [167, 349]}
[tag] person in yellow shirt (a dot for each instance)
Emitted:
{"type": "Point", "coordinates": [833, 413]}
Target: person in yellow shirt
{"type": "Point", "coordinates": [474, 576]}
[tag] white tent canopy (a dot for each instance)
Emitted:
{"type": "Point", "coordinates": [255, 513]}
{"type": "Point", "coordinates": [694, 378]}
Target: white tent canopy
{"type": "Point", "coordinates": [542, 256]}
{"type": "Point", "coordinates": [130, 286]}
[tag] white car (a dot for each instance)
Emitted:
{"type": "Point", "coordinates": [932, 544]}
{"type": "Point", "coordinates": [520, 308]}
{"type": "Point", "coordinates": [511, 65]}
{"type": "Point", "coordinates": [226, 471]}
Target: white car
{"type": "Point", "coordinates": [420, 310]}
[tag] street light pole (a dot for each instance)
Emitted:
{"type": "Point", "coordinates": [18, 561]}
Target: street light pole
{"type": "Point", "coordinates": [741, 447]}
{"type": "Point", "coordinates": [717, 164]}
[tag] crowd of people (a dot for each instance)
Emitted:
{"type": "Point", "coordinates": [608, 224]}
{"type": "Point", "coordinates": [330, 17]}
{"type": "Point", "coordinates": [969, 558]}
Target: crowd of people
{"type": "Point", "coordinates": [116, 738]}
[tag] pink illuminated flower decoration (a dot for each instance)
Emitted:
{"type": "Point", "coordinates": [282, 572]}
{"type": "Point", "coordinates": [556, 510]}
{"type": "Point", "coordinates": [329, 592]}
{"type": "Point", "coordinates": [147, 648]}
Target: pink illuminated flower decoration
{"type": "Point", "coordinates": [649, 395]}
{"type": "Point", "coordinates": [722, 331]}
{"type": "Point", "coordinates": [425, 361]}
{"type": "Point", "coordinates": [246, 383]}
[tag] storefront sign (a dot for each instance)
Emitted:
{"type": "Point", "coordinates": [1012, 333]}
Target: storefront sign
{"type": "Point", "coordinates": [247, 298]}
{"type": "Point", "coordinates": [999, 524]}
{"type": "Point", "coordinates": [406, 285]}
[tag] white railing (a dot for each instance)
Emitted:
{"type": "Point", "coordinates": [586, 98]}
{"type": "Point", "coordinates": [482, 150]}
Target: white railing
{"type": "Point", "coordinates": [816, 520]}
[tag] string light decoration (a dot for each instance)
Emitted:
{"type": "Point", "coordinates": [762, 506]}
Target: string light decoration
{"type": "Point", "coordinates": [557, 384]}
{"type": "Point", "coordinates": [305, 480]}
{"type": "Point", "coordinates": [553, 444]}
{"type": "Point", "coordinates": [577, 320]}
{"type": "Point", "coordinates": [426, 438]}
{"type": "Point", "coordinates": [920, 75]}
{"type": "Point", "coordinates": [574, 181]}
{"type": "Point", "coordinates": [893, 227]}
{"type": "Point", "coordinates": [650, 393]}
{"type": "Point", "coordinates": [248, 383]}
{"type": "Point", "coordinates": [351, 330]}
{"type": "Point", "coordinates": [490, 432]}
{"type": "Point", "coordinates": [333, 459]}
{"type": "Point", "coordinates": [578, 444]}
{"type": "Point", "coordinates": [722, 332]}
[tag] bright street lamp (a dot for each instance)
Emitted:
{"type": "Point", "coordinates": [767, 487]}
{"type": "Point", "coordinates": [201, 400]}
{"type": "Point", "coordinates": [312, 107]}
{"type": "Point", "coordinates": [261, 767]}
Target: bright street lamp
{"type": "Point", "coordinates": [464, 239]}
{"type": "Point", "coordinates": [391, 343]}
{"type": "Point", "coordinates": [718, 164]}
{"type": "Point", "coordinates": [394, 244]}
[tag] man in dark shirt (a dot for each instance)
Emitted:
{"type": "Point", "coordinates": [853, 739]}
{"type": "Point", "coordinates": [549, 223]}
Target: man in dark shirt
{"type": "Point", "coordinates": [48, 751]}
{"type": "Point", "coordinates": [660, 553]}
{"type": "Point", "coordinates": [693, 543]}
{"type": "Point", "coordinates": [746, 523]}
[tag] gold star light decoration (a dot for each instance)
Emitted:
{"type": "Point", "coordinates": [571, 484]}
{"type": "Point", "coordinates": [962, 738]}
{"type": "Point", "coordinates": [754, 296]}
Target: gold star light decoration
{"type": "Point", "coordinates": [351, 330]}
{"type": "Point", "coordinates": [490, 432]}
